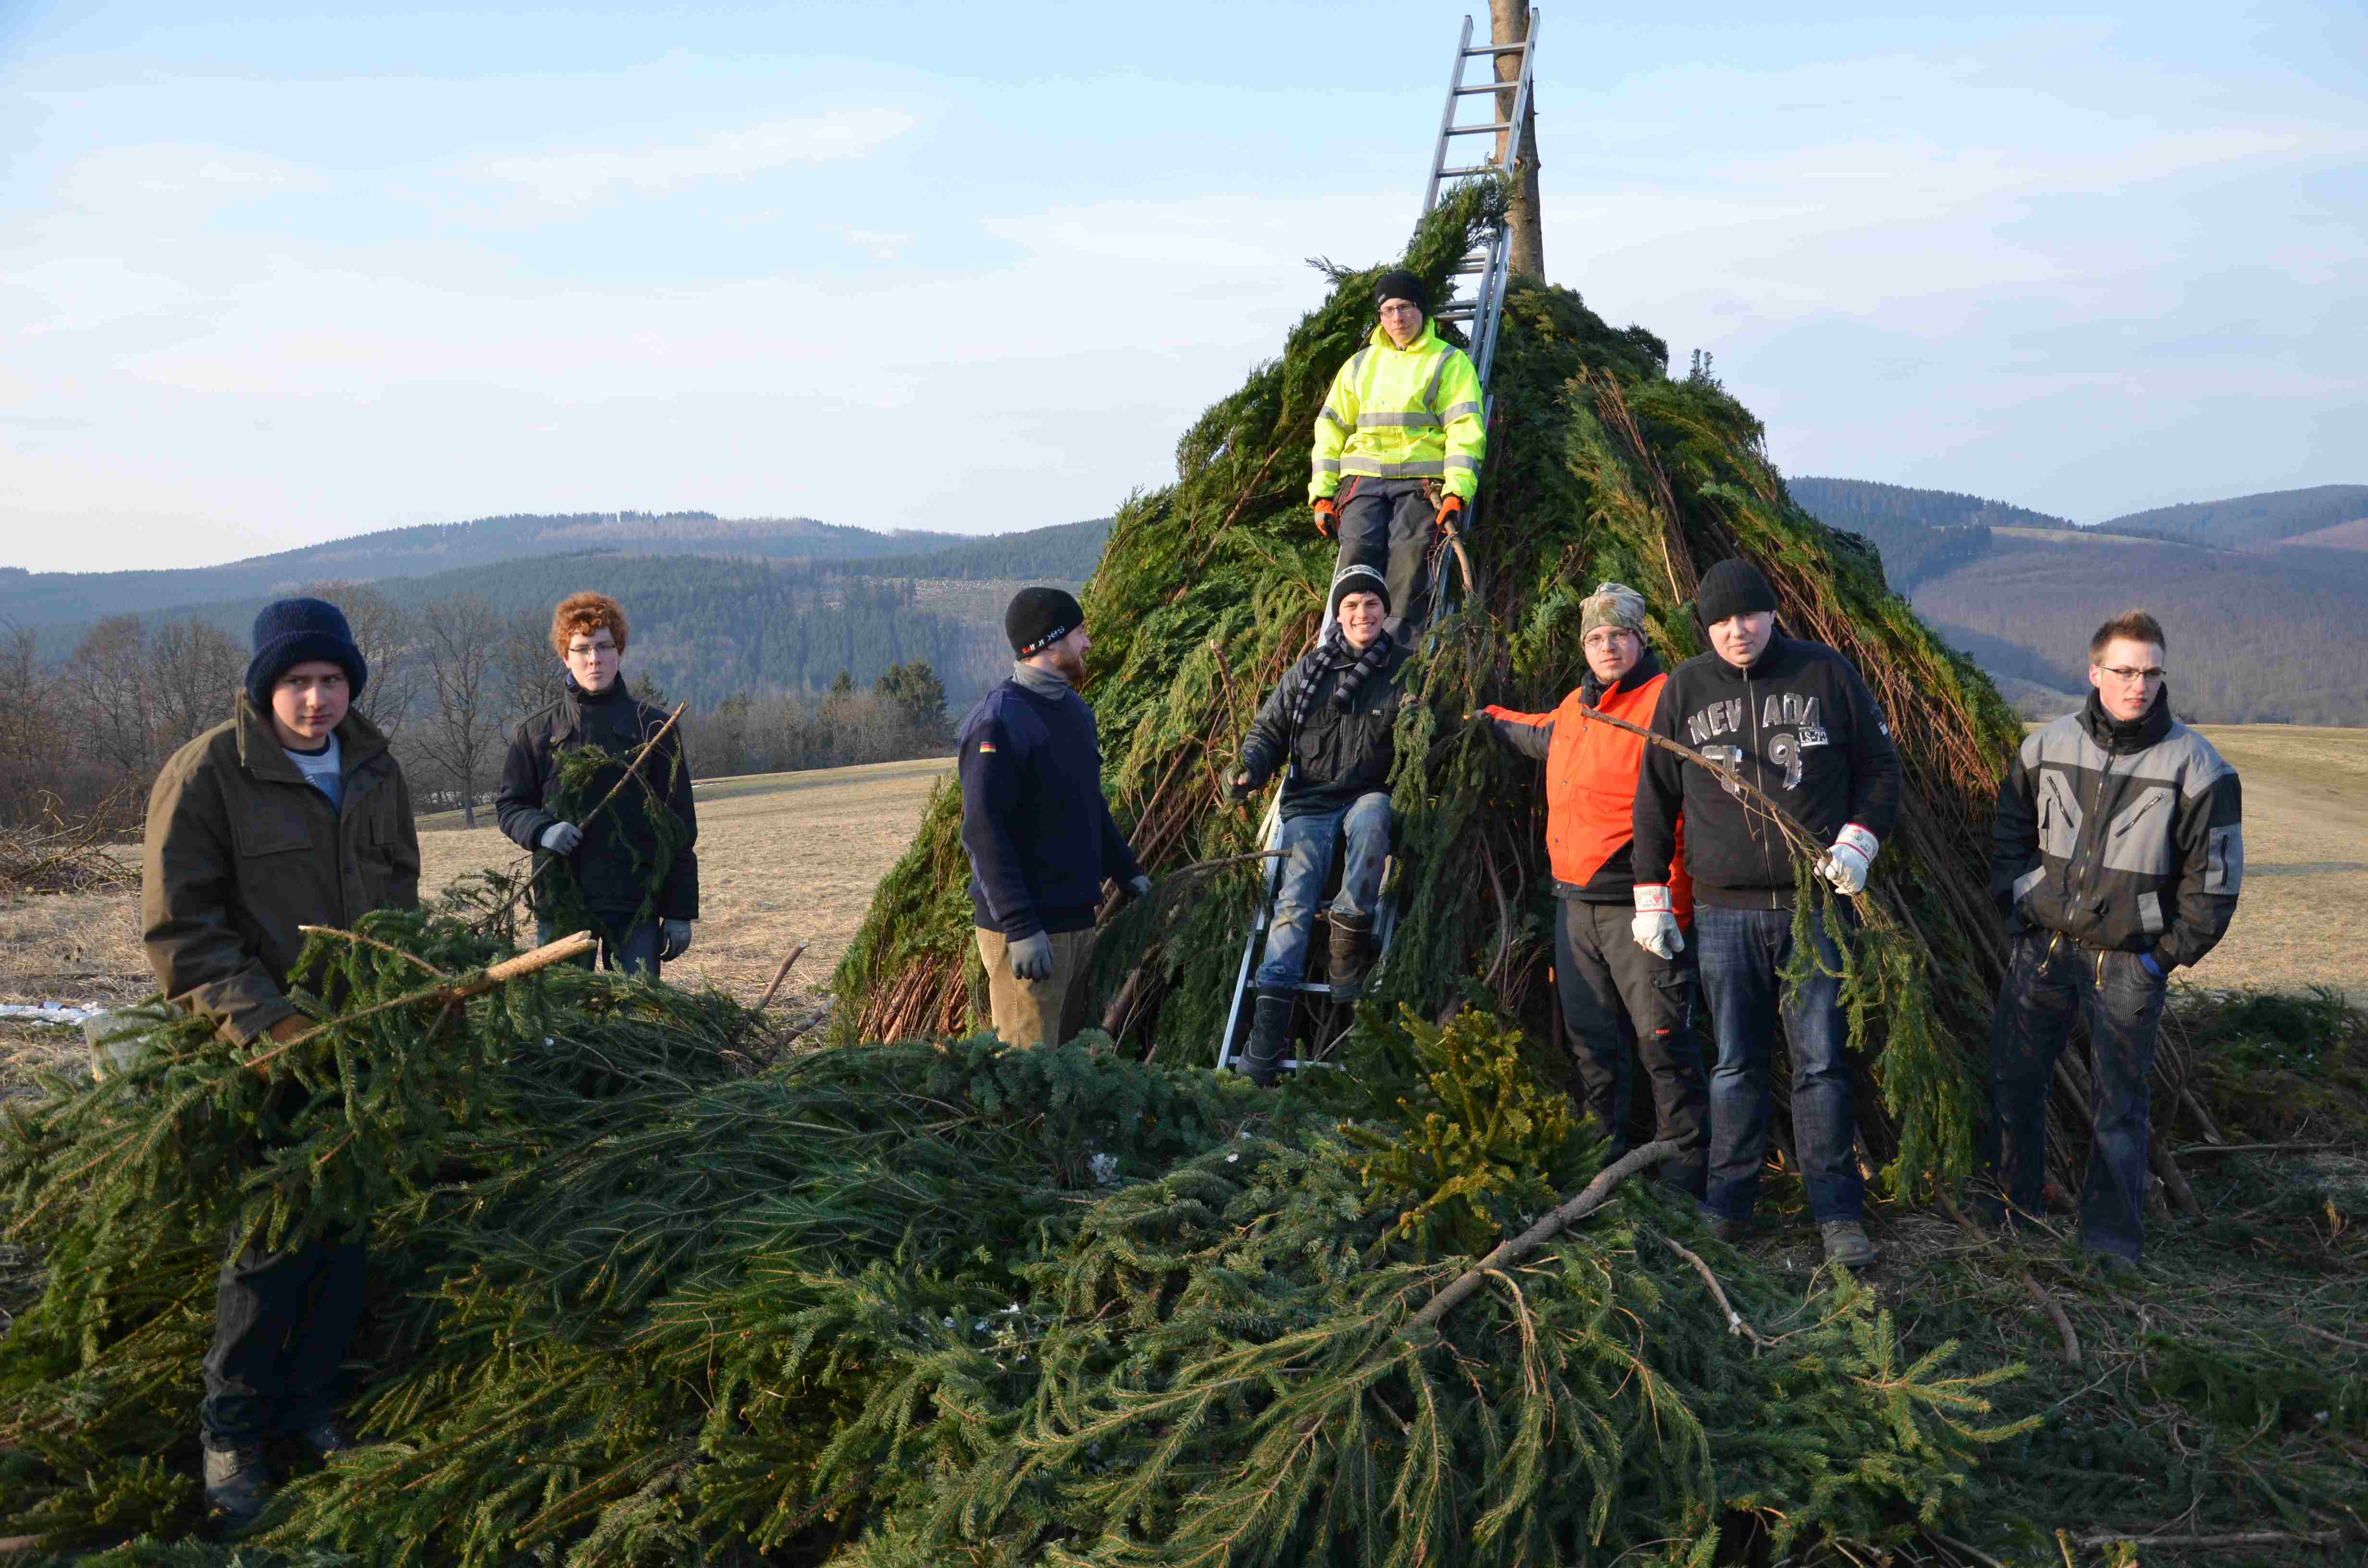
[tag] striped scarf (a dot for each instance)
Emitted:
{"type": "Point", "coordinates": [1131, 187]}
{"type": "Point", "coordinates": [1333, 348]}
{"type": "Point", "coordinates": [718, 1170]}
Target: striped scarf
{"type": "Point", "coordinates": [1332, 650]}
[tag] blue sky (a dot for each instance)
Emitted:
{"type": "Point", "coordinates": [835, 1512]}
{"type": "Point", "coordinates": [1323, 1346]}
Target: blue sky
{"type": "Point", "coordinates": [274, 274]}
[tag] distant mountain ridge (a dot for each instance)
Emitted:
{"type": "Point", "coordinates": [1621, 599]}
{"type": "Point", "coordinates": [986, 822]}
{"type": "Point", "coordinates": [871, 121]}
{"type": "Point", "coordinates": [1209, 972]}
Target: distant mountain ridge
{"type": "Point", "coordinates": [2243, 521]}
{"type": "Point", "coordinates": [1834, 502]}
{"type": "Point", "coordinates": [57, 598]}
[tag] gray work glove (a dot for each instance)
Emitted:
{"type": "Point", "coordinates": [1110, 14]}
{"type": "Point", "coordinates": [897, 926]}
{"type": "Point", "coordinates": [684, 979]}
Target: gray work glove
{"type": "Point", "coordinates": [562, 837]}
{"type": "Point", "coordinates": [1032, 957]}
{"type": "Point", "coordinates": [1140, 887]}
{"type": "Point", "coordinates": [674, 939]}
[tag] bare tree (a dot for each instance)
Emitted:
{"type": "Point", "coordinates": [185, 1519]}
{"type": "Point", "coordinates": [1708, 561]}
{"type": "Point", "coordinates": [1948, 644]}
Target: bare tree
{"type": "Point", "coordinates": [385, 635]}
{"type": "Point", "coordinates": [194, 669]}
{"type": "Point", "coordinates": [461, 723]}
{"type": "Point", "coordinates": [108, 678]}
{"type": "Point", "coordinates": [529, 671]}
{"type": "Point", "coordinates": [1509, 22]}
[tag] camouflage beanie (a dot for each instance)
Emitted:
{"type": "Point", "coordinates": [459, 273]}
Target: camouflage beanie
{"type": "Point", "coordinates": [1612, 604]}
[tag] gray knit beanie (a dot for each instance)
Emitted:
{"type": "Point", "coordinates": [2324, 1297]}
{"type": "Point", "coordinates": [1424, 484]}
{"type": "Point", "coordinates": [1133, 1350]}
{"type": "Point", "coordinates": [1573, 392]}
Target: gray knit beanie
{"type": "Point", "coordinates": [1612, 604]}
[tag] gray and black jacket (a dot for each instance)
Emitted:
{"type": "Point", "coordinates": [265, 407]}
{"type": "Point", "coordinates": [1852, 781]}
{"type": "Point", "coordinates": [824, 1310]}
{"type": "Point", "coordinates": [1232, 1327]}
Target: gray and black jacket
{"type": "Point", "coordinates": [2125, 837]}
{"type": "Point", "coordinates": [1335, 755]}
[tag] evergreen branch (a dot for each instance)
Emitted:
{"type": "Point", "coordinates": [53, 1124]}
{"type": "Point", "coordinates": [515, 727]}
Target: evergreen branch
{"type": "Point", "coordinates": [461, 990]}
{"type": "Point", "coordinates": [633, 768]}
{"type": "Point", "coordinates": [1597, 1193]}
{"type": "Point", "coordinates": [373, 942]}
{"type": "Point", "coordinates": [1735, 1321]}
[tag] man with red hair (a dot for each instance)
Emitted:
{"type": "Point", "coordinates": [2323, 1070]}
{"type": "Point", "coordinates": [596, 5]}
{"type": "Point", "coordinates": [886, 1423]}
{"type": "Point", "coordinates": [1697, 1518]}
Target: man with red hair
{"type": "Point", "coordinates": [640, 888]}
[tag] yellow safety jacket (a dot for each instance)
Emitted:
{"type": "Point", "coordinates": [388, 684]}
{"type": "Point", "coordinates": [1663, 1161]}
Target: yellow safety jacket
{"type": "Point", "coordinates": [1411, 413]}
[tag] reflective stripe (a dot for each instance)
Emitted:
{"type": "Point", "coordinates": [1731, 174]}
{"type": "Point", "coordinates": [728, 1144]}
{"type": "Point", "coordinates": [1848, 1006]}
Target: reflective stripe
{"type": "Point", "coordinates": [1458, 412]}
{"type": "Point", "coordinates": [1471, 464]}
{"type": "Point", "coordinates": [1337, 423]}
{"type": "Point", "coordinates": [1371, 470]}
{"type": "Point", "coordinates": [1419, 418]}
{"type": "Point", "coordinates": [1328, 465]}
{"type": "Point", "coordinates": [1431, 387]}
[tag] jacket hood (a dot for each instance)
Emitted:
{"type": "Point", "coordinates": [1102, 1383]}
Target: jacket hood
{"type": "Point", "coordinates": [260, 753]}
{"type": "Point", "coordinates": [2122, 736]}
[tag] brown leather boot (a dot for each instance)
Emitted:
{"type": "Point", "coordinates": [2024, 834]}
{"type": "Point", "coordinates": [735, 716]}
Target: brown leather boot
{"type": "Point", "coordinates": [1353, 955]}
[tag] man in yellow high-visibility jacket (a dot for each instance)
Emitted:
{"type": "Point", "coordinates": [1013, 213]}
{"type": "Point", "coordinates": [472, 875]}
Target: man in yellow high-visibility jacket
{"type": "Point", "coordinates": [1398, 449]}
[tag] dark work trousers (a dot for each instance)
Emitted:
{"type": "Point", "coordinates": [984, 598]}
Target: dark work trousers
{"type": "Point", "coordinates": [1743, 951]}
{"type": "Point", "coordinates": [636, 954]}
{"type": "Point", "coordinates": [1387, 523]}
{"type": "Point", "coordinates": [282, 1321]}
{"type": "Point", "coordinates": [1621, 1001]}
{"type": "Point", "coordinates": [2048, 980]}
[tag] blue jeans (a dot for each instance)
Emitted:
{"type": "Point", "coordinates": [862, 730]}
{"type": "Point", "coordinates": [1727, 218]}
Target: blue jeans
{"type": "Point", "coordinates": [1742, 952]}
{"type": "Point", "coordinates": [2048, 981]}
{"type": "Point", "coordinates": [637, 953]}
{"type": "Point", "coordinates": [1306, 844]}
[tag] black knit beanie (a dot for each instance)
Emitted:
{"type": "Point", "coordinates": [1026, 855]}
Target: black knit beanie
{"type": "Point", "coordinates": [1399, 284]}
{"type": "Point", "coordinates": [1357, 579]}
{"type": "Point", "coordinates": [289, 633]}
{"type": "Point", "coordinates": [1038, 618]}
{"type": "Point", "coordinates": [1731, 587]}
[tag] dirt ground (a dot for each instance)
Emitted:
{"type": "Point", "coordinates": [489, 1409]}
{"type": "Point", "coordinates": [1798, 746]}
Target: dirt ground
{"type": "Point", "coordinates": [791, 858]}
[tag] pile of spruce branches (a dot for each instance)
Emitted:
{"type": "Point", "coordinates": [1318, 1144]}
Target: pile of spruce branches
{"type": "Point", "coordinates": [636, 1300]}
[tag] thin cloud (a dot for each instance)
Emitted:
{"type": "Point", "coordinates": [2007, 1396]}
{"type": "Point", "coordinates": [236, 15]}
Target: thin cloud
{"type": "Point", "coordinates": [569, 177]}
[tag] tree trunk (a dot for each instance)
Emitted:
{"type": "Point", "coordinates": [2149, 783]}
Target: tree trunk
{"type": "Point", "coordinates": [1509, 22]}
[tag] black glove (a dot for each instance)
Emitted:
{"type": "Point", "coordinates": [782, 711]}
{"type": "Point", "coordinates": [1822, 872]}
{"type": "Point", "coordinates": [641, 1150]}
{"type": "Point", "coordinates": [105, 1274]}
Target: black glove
{"type": "Point", "coordinates": [1239, 789]}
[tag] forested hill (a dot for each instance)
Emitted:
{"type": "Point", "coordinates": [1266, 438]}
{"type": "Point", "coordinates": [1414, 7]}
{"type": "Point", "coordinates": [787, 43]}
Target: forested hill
{"type": "Point", "coordinates": [57, 598]}
{"type": "Point", "coordinates": [1844, 503]}
{"type": "Point", "coordinates": [2248, 520]}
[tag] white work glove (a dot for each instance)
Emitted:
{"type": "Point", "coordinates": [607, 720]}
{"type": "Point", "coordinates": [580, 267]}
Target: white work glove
{"type": "Point", "coordinates": [674, 939]}
{"type": "Point", "coordinates": [1655, 925]}
{"type": "Point", "coordinates": [1140, 887]}
{"type": "Point", "coordinates": [1032, 957]}
{"type": "Point", "coordinates": [1845, 864]}
{"type": "Point", "coordinates": [562, 837]}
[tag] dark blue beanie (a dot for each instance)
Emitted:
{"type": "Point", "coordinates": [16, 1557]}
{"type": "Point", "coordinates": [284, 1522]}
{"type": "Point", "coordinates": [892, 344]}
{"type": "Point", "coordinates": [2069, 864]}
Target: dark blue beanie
{"type": "Point", "coordinates": [288, 633]}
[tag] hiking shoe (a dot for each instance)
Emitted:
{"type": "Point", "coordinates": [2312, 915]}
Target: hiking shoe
{"type": "Point", "coordinates": [238, 1484]}
{"type": "Point", "coordinates": [327, 1440]}
{"type": "Point", "coordinates": [1846, 1244]}
{"type": "Point", "coordinates": [1732, 1232]}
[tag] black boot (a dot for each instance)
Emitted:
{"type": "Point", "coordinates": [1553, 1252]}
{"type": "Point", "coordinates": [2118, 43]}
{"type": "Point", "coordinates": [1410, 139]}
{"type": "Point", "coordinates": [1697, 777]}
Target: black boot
{"type": "Point", "coordinates": [1261, 1060]}
{"type": "Point", "coordinates": [238, 1484]}
{"type": "Point", "coordinates": [1353, 955]}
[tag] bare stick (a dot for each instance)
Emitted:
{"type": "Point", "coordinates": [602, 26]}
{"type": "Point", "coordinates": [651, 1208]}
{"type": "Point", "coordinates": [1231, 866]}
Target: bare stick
{"type": "Point", "coordinates": [779, 975]}
{"type": "Point", "coordinates": [1735, 1323]}
{"type": "Point", "coordinates": [2257, 1148]}
{"type": "Point", "coordinates": [374, 942]}
{"type": "Point", "coordinates": [1723, 773]}
{"type": "Point", "coordinates": [477, 984]}
{"type": "Point", "coordinates": [632, 768]}
{"type": "Point", "coordinates": [2062, 1323]}
{"type": "Point", "coordinates": [2333, 1338]}
{"type": "Point", "coordinates": [2240, 1538]}
{"type": "Point", "coordinates": [1598, 1192]}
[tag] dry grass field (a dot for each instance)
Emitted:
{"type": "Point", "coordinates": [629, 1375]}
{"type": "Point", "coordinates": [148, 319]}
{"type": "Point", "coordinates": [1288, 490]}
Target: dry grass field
{"type": "Point", "coordinates": [793, 857]}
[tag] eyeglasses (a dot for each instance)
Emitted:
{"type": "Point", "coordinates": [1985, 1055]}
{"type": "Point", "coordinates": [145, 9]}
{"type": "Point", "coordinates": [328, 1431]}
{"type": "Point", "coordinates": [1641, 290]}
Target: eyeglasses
{"type": "Point", "coordinates": [2127, 677]}
{"type": "Point", "coordinates": [1604, 642]}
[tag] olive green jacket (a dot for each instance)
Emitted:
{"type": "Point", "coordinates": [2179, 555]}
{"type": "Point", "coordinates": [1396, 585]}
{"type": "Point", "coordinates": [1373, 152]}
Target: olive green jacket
{"type": "Point", "coordinates": [241, 851]}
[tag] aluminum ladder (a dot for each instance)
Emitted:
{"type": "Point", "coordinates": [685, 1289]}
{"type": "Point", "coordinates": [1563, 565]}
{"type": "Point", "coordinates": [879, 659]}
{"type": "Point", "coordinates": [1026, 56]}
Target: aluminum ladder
{"type": "Point", "coordinates": [1481, 316]}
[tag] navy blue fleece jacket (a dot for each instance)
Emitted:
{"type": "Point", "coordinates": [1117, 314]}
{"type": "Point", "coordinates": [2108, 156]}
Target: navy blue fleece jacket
{"type": "Point", "coordinates": [1035, 825]}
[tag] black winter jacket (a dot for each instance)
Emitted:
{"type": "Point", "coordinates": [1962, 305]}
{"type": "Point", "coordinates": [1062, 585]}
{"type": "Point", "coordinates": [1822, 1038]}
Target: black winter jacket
{"type": "Point", "coordinates": [1035, 824]}
{"type": "Point", "coordinates": [617, 722]}
{"type": "Point", "coordinates": [2126, 836]}
{"type": "Point", "coordinates": [1801, 725]}
{"type": "Point", "coordinates": [1335, 755]}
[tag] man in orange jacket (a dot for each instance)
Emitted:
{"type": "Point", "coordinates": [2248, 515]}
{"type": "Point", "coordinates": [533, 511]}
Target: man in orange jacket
{"type": "Point", "coordinates": [1616, 996]}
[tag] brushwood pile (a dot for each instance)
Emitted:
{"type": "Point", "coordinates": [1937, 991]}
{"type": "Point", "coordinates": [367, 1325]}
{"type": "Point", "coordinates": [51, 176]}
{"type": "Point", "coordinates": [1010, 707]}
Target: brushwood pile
{"type": "Point", "coordinates": [646, 1292]}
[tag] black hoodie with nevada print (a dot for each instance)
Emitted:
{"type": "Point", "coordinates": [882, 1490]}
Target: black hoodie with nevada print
{"type": "Point", "coordinates": [1801, 725]}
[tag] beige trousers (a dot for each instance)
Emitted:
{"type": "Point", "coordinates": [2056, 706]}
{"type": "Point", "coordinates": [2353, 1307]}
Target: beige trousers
{"type": "Point", "coordinates": [1037, 1012]}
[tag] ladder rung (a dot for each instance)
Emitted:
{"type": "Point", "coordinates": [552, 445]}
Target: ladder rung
{"type": "Point", "coordinates": [1467, 269]}
{"type": "Point", "coordinates": [1496, 48]}
{"type": "Point", "coordinates": [1477, 129]}
{"type": "Point", "coordinates": [1491, 87]}
{"type": "Point", "coordinates": [1460, 312]}
{"type": "Point", "coordinates": [1474, 169]}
